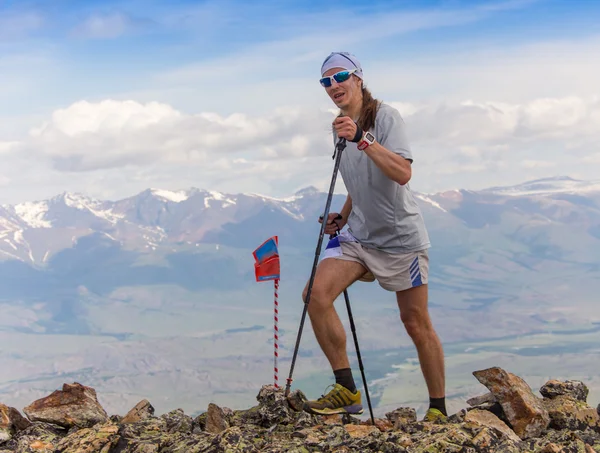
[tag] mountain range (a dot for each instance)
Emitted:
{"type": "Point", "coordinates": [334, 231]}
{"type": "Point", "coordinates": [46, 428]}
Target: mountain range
{"type": "Point", "coordinates": [37, 232]}
{"type": "Point", "coordinates": [157, 290]}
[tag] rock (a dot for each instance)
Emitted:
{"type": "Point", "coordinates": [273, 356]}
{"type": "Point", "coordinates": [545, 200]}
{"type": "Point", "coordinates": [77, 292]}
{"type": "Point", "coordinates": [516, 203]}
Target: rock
{"type": "Point", "coordinates": [100, 439]}
{"type": "Point", "coordinates": [402, 417]}
{"type": "Point", "coordinates": [552, 448]}
{"type": "Point", "coordinates": [489, 420]}
{"type": "Point", "coordinates": [406, 414]}
{"type": "Point", "coordinates": [448, 439]}
{"type": "Point", "coordinates": [38, 437]}
{"type": "Point", "coordinates": [177, 421]}
{"type": "Point", "coordinates": [479, 400]}
{"type": "Point", "coordinates": [524, 411]}
{"type": "Point", "coordinates": [334, 419]}
{"type": "Point", "coordinates": [199, 423]}
{"type": "Point", "coordinates": [143, 436]}
{"type": "Point", "coordinates": [272, 407]}
{"type": "Point", "coordinates": [141, 411]}
{"type": "Point", "coordinates": [233, 440]}
{"type": "Point", "coordinates": [567, 412]}
{"type": "Point", "coordinates": [76, 405]}
{"type": "Point", "coordinates": [215, 419]}
{"type": "Point", "coordinates": [11, 421]}
{"type": "Point", "coordinates": [337, 436]}
{"type": "Point", "coordinates": [576, 389]}
{"type": "Point", "coordinates": [380, 424]}
{"type": "Point", "coordinates": [296, 400]}
{"type": "Point", "coordinates": [359, 431]}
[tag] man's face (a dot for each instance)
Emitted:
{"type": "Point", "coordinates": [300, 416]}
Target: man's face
{"type": "Point", "coordinates": [346, 93]}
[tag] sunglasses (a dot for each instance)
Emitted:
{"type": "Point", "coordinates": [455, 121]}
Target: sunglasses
{"type": "Point", "coordinates": [339, 77]}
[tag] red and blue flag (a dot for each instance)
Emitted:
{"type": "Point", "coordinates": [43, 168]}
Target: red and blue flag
{"type": "Point", "coordinates": [266, 256]}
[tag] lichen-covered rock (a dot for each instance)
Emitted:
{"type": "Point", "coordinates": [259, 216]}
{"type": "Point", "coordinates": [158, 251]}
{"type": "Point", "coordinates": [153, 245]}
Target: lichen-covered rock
{"type": "Point", "coordinates": [234, 440]}
{"type": "Point", "coordinates": [524, 411]}
{"type": "Point", "coordinates": [75, 406]}
{"type": "Point", "coordinates": [177, 421]}
{"type": "Point", "coordinates": [570, 413]}
{"type": "Point", "coordinates": [489, 420]}
{"type": "Point", "coordinates": [11, 421]}
{"type": "Point", "coordinates": [140, 436]}
{"type": "Point", "coordinates": [402, 416]}
{"type": "Point", "coordinates": [273, 427]}
{"type": "Point", "coordinates": [39, 437]}
{"type": "Point", "coordinates": [99, 439]}
{"type": "Point", "coordinates": [216, 421]}
{"type": "Point", "coordinates": [296, 400]}
{"type": "Point", "coordinates": [140, 411]}
{"type": "Point", "coordinates": [273, 407]}
{"type": "Point", "coordinates": [575, 389]}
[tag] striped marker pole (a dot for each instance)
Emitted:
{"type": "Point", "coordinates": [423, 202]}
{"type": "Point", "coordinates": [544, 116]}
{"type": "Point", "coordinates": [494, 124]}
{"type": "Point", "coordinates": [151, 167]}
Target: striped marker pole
{"type": "Point", "coordinates": [276, 333]}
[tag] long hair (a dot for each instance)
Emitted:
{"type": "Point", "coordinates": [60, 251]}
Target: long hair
{"type": "Point", "coordinates": [368, 111]}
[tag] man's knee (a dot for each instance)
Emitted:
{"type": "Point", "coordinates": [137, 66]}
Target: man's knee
{"type": "Point", "coordinates": [319, 298]}
{"type": "Point", "coordinates": [417, 325]}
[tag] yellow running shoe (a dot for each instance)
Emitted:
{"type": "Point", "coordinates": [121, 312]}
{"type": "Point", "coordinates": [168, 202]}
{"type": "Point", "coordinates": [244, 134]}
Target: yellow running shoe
{"type": "Point", "coordinates": [339, 400]}
{"type": "Point", "coordinates": [434, 415]}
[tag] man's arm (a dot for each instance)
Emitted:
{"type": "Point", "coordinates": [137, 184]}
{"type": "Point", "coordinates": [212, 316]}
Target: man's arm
{"type": "Point", "coordinates": [393, 165]}
{"type": "Point", "coordinates": [345, 213]}
{"type": "Point", "coordinates": [391, 151]}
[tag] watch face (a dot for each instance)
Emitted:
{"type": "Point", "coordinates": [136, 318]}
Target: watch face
{"type": "Point", "coordinates": [369, 137]}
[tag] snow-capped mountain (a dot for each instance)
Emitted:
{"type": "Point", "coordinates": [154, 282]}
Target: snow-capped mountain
{"type": "Point", "coordinates": [548, 186]}
{"type": "Point", "coordinates": [154, 219]}
{"type": "Point", "coordinates": [32, 232]}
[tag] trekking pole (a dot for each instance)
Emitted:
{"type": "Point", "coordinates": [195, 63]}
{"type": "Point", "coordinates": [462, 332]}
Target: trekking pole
{"type": "Point", "coordinates": [337, 156]}
{"type": "Point", "coordinates": [360, 364]}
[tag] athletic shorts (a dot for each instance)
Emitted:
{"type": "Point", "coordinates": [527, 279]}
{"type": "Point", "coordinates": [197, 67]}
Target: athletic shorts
{"type": "Point", "coordinates": [393, 271]}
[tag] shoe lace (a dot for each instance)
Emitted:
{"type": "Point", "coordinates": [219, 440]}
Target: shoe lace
{"type": "Point", "coordinates": [328, 396]}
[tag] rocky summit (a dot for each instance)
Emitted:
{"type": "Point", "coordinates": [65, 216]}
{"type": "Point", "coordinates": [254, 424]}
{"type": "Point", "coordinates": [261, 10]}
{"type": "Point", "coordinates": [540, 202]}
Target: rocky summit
{"type": "Point", "coordinates": [510, 417]}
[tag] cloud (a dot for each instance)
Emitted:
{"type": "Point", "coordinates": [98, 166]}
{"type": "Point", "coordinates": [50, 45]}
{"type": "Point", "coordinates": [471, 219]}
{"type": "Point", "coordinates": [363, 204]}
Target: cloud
{"type": "Point", "coordinates": [108, 134]}
{"type": "Point", "coordinates": [494, 123]}
{"type": "Point", "coordinates": [17, 25]}
{"type": "Point", "coordinates": [538, 164]}
{"type": "Point", "coordinates": [153, 144]}
{"type": "Point", "coordinates": [7, 147]}
{"type": "Point", "coordinates": [108, 26]}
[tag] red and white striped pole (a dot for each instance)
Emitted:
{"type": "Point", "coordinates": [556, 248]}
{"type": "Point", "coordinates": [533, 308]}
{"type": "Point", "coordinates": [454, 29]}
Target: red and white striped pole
{"type": "Point", "coordinates": [276, 333]}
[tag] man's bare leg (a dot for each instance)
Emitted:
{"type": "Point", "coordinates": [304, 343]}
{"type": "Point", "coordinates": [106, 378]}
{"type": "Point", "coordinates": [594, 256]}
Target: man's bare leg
{"type": "Point", "coordinates": [415, 316]}
{"type": "Point", "coordinates": [332, 277]}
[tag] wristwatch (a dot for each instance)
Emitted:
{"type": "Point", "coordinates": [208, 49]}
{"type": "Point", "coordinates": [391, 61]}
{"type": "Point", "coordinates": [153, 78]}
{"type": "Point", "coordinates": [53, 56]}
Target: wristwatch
{"type": "Point", "coordinates": [367, 140]}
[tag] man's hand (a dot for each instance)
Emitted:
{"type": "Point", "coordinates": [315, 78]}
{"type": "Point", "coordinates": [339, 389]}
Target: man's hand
{"type": "Point", "coordinates": [335, 222]}
{"type": "Point", "coordinates": [345, 127]}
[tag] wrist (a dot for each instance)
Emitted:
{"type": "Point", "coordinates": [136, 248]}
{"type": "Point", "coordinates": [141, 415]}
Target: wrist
{"type": "Point", "coordinates": [367, 140]}
{"type": "Point", "coordinates": [358, 135]}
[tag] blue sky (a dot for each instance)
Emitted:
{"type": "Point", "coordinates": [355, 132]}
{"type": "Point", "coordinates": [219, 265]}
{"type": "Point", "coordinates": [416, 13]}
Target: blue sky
{"type": "Point", "coordinates": [109, 98]}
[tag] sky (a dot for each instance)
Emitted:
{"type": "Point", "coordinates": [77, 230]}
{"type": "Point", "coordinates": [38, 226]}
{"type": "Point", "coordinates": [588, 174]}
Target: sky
{"type": "Point", "coordinates": [109, 98]}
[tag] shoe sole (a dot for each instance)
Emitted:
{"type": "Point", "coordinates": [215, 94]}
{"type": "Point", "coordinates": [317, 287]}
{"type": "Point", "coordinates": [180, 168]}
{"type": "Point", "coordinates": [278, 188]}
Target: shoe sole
{"type": "Point", "coordinates": [355, 409]}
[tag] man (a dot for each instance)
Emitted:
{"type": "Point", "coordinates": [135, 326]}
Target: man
{"type": "Point", "coordinates": [386, 239]}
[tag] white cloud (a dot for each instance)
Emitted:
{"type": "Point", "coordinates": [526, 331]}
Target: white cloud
{"type": "Point", "coordinates": [571, 118]}
{"type": "Point", "coordinates": [113, 148]}
{"type": "Point", "coordinates": [528, 163]}
{"type": "Point", "coordinates": [6, 147]}
{"type": "Point", "coordinates": [87, 136]}
{"type": "Point", "coordinates": [478, 114]}
{"type": "Point", "coordinates": [16, 25]}
{"type": "Point", "coordinates": [107, 26]}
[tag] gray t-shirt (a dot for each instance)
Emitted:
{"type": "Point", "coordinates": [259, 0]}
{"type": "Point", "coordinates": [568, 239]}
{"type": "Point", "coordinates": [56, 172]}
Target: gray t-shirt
{"type": "Point", "coordinates": [385, 214]}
